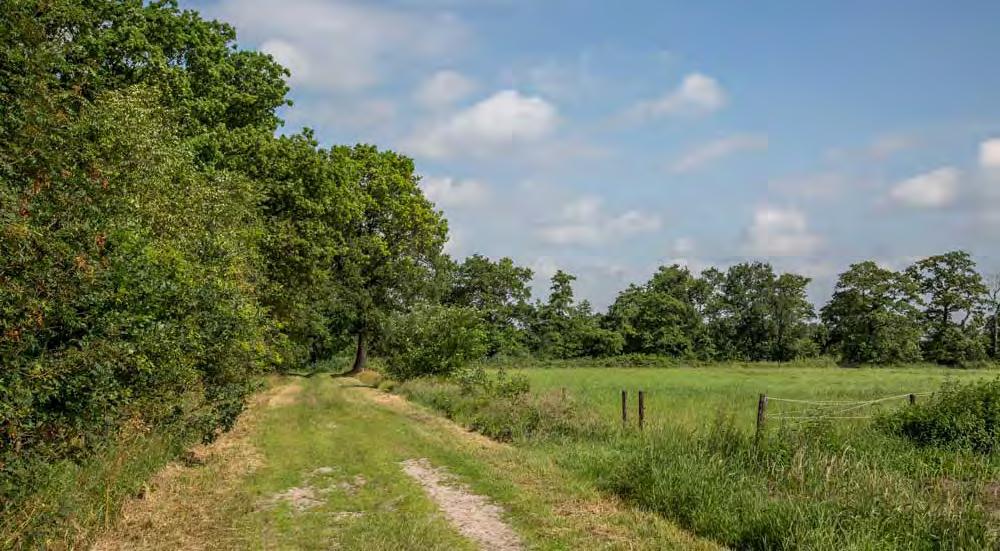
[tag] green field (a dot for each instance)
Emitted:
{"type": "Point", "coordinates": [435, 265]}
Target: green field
{"type": "Point", "coordinates": [694, 397]}
{"type": "Point", "coordinates": [818, 483]}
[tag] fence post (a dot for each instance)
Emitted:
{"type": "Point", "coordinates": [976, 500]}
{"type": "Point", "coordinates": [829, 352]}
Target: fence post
{"type": "Point", "coordinates": [761, 416]}
{"type": "Point", "coordinates": [913, 399]}
{"type": "Point", "coordinates": [624, 408]}
{"type": "Point", "coordinates": [642, 408]}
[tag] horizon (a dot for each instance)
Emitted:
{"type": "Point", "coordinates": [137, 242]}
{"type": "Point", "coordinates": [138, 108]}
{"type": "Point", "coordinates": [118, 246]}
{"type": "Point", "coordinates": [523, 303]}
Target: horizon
{"type": "Point", "coordinates": [607, 142]}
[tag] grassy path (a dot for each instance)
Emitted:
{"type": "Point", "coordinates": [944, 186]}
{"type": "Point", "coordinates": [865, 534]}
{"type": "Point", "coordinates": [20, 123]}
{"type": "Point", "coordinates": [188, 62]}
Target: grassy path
{"type": "Point", "coordinates": [316, 464]}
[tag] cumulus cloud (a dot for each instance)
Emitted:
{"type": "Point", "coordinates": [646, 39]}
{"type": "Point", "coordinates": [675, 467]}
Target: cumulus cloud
{"type": "Point", "coordinates": [449, 192]}
{"type": "Point", "coordinates": [584, 222]}
{"type": "Point", "coordinates": [697, 94]}
{"type": "Point", "coordinates": [777, 232]}
{"type": "Point", "coordinates": [497, 124]}
{"type": "Point", "coordinates": [706, 154]}
{"type": "Point", "coordinates": [343, 46]}
{"type": "Point", "coordinates": [989, 154]}
{"type": "Point", "coordinates": [935, 189]}
{"type": "Point", "coordinates": [444, 89]}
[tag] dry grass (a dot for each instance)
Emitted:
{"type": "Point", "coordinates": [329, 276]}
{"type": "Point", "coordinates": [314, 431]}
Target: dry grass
{"type": "Point", "coordinates": [402, 406]}
{"type": "Point", "coordinates": [183, 503]}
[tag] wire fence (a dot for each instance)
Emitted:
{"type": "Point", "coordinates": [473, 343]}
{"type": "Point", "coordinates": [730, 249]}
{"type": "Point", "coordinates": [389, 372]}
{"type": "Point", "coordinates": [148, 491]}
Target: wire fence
{"type": "Point", "coordinates": [814, 410]}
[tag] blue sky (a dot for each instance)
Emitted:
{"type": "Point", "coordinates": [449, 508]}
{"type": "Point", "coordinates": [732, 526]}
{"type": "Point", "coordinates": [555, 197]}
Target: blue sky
{"type": "Point", "coordinates": [608, 138]}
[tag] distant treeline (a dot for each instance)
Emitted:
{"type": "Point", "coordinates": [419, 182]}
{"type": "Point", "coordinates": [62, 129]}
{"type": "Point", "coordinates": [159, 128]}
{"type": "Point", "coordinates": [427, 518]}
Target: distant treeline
{"type": "Point", "coordinates": [161, 247]}
{"type": "Point", "coordinates": [939, 310]}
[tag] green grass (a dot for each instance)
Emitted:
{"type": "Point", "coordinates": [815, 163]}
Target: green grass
{"type": "Point", "coordinates": [330, 433]}
{"type": "Point", "coordinates": [695, 397]}
{"type": "Point", "coordinates": [826, 484]}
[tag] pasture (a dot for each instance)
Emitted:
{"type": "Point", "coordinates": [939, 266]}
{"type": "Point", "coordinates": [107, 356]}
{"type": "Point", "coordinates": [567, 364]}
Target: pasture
{"type": "Point", "coordinates": [697, 396]}
{"type": "Point", "coordinates": [825, 482]}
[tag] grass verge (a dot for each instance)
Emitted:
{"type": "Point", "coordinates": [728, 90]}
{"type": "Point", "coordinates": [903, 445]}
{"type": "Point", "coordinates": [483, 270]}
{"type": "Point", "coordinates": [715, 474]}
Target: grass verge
{"type": "Point", "coordinates": [823, 484]}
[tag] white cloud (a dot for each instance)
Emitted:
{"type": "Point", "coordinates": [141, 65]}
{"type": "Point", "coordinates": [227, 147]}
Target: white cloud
{"type": "Point", "coordinates": [444, 89]}
{"type": "Point", "coordinates": [449, 192]}
{"type": "Point", "coordinates": [935, 189]}
{"type": "Point", "coordinates": [683, 246]}
{"type": "Point", "coordinates": [697, 94]}
{"type": "Point", "coordinates": [343, 46]}
{"type": "Point", "coordinates": [879, 149]}
{"type": "Point", "coordinates": [544, 268]}
{"type": "Point", "coordinates": [777, 231]}
{"type": "Point", "coordinates": [989, 153]}
{"type": "Point", "coordinates": [584, 222]}
{"type": "Point", "coordinates": [632, 222]}
{"type": "Point", "coordinates": [719, 149]}
{"type": "Point", "coordinates": [497, 124]}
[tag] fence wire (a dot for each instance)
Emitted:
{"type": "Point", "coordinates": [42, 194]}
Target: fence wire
{"type": "Point", "coordinates": [831, 409]}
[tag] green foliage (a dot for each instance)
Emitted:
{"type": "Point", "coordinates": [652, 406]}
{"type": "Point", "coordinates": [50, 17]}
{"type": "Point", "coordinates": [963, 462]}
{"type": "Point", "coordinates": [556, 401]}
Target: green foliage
{"type": "Point", "coordinates": [307, 204]}
{"type": "Point", "coordinates": [662, 316]}
{"type": "Point", "coordinates": [431, 340]}
{"type": "Point", "coordinates": [953, 289]}
{"type": "Point", "coordinates": [872, 317]}
{"type": "Point", "coordinates": [962, 416]}
{"type": "Point", "coordinates": [499, 291]}
{"type": "Point", "coordinates": [392, 246]}
{"type": "Point", "coordinates": [115, 308]}
{"type": "Point", "coordinates": [754, 314]}
{"type": "Point", "coordinates": [499, 406]}
{"type": "Point", "coordinates": [560, 328]}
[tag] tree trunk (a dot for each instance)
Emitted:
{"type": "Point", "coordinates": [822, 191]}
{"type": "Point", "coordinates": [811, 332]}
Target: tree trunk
{"type": "Point", "coordinates": [361, 356]}
{"type": "Point", "coordinates": [996, 333]}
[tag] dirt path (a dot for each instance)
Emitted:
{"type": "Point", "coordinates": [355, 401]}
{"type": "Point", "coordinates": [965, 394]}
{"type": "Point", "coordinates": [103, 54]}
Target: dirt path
{"type": "Point", "coordinates": [475, 517]}
{"type": "Point", "coordinates": [323, 464]}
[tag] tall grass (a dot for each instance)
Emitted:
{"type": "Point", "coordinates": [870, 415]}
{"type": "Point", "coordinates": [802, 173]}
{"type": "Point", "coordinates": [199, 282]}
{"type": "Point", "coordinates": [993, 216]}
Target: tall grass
{"type": "Point", "coordinates": [820, 485]}
{"type": "Point", "coordinates": [66, 502]}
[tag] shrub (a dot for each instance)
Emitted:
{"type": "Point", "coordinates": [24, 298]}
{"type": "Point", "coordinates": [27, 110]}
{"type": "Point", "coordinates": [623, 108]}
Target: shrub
{"type": "Point", "coordinates": [963, 416]}
{"type": "Point", "coordinates": [370, 378]}
{"type": "Point", "coordinates": [432, 340]}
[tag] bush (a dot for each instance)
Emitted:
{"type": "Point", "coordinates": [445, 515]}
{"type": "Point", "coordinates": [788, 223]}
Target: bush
{"type": "Point", "coordinates": [432, 340]}
{"type": "Point", "coordinates": [370, 378]}
{"type": "Point", "coordinates": [500, 406]}
{"type": "Point", "coordinates": [962, 416]}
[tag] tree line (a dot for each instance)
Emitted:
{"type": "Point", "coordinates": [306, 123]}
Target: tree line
{"type": "Point", "coordinates": [938, 310]}
{"type": "Point", "coordinates": [161, 247]}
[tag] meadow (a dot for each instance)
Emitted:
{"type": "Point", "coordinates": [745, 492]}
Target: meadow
{"type": "Point", "coordinates": [817, 483]}
{"type": "Point", "coordinates": [696, 397]}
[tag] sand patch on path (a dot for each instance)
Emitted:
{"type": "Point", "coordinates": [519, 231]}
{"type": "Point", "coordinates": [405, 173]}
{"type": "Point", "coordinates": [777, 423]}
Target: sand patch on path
{"type": "Point", "coordinates": [473, 515]}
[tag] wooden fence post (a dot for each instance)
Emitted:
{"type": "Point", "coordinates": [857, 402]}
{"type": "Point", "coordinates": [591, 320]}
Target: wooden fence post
{"type": "Point", "coordinates": [913, 399]}
{"type": "Point", "coordinates": [642, 408]}
{"type": "Point", "coordinates": [761, 416]}
{"type": "Point", "coordinates": [624, 408]}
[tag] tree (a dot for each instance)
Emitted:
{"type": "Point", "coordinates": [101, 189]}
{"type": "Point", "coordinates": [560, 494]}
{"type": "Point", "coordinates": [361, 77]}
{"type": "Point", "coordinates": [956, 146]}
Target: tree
{"type": "Point", "coordinates": [306, 206]}
{"type": "Point", "coordinates": [746, 300]}
{"type": "Point", "coordinates": [563, 329]}
{"type": "Point", "coordinates": [954, 291]}
{"type": "Point", "coordinates": [662, 316]}
{"type": "Point", "coordinates": [391, 247]}
{"type": "Point", "coordinates": [993, 311]}
{"type": "Point", "coordinates": [872, 316]}
{"type": "Point", "coordinates": [790, 313]}
{"type": "Point", "coordinates": [754, 314]}
{"type": "Point", "coordinates": [499, 291]}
